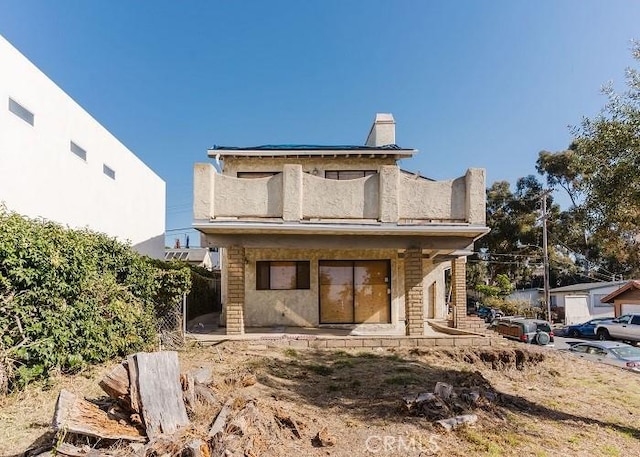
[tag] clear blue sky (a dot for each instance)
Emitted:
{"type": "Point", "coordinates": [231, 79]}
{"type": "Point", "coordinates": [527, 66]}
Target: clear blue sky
{"type": "Point", "coordinates": [471, 83]}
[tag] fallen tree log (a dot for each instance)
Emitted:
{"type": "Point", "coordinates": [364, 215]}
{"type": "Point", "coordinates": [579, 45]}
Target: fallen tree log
{"type": "Point", "coordinates": [76, 415]}
{"type": "Point", "coordinates": [455, 422]}
{"type": "Point", "coordinates": [221, 420]}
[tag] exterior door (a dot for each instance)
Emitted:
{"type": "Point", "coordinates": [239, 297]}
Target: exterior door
{"type": "Point", "coordinates": [354, 292]}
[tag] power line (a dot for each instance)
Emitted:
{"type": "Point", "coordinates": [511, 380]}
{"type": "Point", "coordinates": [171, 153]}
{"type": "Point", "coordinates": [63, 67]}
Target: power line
{"type": "Point", "coordinates": [178, 229]}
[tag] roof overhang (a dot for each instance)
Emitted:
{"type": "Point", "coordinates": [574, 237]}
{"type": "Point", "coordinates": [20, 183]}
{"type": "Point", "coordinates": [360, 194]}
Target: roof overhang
{"type": "Point", "coordinates": [446, 237]}
{"type": "Point", "coordinates": [315, 228]}
{"type": "Point", "coordinates": [288, 153]}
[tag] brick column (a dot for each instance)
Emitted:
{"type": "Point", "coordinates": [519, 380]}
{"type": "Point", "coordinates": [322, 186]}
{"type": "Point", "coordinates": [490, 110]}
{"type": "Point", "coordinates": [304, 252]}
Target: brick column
{"type": "Point", "coordinates": [459, 290]}
{"type": "Point", "coordinates": [235, 290]}
{"type": "Point", "coordinates": [413, 299]}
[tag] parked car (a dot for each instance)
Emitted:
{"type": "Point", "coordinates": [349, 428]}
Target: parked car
{"type": "Point", "coordinates": [624, 328]}
{"type": "Point", "coordinates": [489, 314]}
{"type": "Point", "coordinates": [532, 331]}
{"type": "Point", "coordinates": [585, 329]}
{"type": "Point", "coordinates": [609, 352]}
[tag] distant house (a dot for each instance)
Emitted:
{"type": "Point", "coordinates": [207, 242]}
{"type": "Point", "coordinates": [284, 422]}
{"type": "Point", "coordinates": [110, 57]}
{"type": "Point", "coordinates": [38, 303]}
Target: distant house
{"type": "Point", "coordinates": [58, 163]}
{"type": "Point", "coordinates": [582, 302]}
{"type": "Point", "coordinates": [626, 299]}
{"type": "Point", "coordinates": [533, 296]}
{"type": "Point", "coordinates": [199, 257]}
{"type": "Point", "coordinates": [317, 236]}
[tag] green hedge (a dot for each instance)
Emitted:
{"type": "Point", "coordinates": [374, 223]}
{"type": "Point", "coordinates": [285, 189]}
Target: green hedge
{"type": "Point", "coordinates": [69, 298]}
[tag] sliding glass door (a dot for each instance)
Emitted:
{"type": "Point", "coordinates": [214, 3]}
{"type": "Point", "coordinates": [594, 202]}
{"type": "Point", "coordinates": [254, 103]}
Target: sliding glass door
{"type": "Point", "coordinates": [355, 291]}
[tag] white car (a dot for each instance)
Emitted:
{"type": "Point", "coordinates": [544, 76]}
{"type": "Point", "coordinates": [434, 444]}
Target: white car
{"type": "Point", "coordinates": [624, 328]}
{"type": "Point", "coordinates": [609, 352]}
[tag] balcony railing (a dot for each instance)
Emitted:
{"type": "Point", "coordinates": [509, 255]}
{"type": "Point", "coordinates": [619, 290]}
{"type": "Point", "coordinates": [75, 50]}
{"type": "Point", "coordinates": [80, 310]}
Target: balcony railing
{"type": "Point", "coordinates": [389, 196]}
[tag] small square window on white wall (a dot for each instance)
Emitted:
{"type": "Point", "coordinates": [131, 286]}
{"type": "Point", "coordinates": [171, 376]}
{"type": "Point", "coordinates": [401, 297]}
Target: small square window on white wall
{"type": "Point", "coordinates": [107, 170]}
{"type": "Point", "coordinates": [78, 151]}
{"type": "Point", "coordinates": [20, 111]}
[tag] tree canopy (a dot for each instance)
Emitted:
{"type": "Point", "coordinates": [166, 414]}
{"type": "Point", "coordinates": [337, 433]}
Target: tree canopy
{"type": "Point", "coordinates": [597, 237]}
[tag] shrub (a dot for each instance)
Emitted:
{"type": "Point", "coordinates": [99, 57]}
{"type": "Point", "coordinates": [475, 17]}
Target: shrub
{"type": "Point", "coordinates": [69, 298]}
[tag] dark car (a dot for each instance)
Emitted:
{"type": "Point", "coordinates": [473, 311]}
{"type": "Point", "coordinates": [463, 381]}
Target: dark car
{"type": "Point", "coordinates": [489, 314]}
{"type": "Point", "coordinates": [609, 352]}
{"type": "Point", "coordinates": [585, 329]}
{"type": "Point", "coordinates": [532, 331]}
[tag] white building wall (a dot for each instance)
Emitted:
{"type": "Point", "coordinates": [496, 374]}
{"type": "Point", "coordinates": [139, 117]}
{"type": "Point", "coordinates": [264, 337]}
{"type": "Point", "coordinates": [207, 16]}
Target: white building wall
{"type": "Point", "coordinates": [41, 177]}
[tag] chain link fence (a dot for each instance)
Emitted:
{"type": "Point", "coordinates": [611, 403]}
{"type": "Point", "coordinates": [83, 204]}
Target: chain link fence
{"type": "Point", "coordinates": [171, 327]}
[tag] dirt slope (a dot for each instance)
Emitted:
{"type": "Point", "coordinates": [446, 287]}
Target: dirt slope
{"type": "Point", "coordinates": [535, 402]}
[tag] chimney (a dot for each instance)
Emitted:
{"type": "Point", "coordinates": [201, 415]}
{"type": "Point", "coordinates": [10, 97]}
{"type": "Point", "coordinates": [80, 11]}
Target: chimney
{"type": "Point", "coordinates": [383, 131]}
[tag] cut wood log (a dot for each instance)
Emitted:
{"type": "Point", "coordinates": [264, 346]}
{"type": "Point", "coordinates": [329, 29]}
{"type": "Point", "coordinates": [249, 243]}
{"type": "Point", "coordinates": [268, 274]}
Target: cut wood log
{"type": "Point", "coordinates": [443, 390]}
{"type": "Point", "coordinates": [188, 387]}
{"type": "Point", "coordinates": [202, 375]}
{"type": "Point", "coordinates": [134, 394]}
{"type": "Point", "coordinates": [455, 422]}
{"type": "Point", "coordinates": [204, 394]}
{"type": "Point", "coordinates": [221, 420]}
{"type": "Point", "coordinates": [75, 415]}
{"type": "Point", "coordinates": [197, 448]}
{"type": "Point", "coordinates": [160, 393]}
{"type": "Point", "coordinates": [410, 401]}
{"type": "Point", "coordinates": [116, 382]}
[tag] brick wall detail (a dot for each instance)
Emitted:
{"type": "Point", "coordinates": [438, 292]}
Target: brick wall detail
{"type": "Point", "coordinates": [235, 290]}
{"type": "Point", "coordinates": [414, 296]}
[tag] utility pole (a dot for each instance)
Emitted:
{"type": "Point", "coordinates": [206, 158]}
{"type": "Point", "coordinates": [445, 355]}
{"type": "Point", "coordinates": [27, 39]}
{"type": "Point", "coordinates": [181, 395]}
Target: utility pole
{"type": "Point", "coordinates": [545, 254]}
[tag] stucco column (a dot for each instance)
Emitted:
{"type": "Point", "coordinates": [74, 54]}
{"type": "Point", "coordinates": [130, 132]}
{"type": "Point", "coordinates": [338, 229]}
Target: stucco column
{"type": "Point", "coordinates": [203, 191]}
{"type": "Point", "coordinates": [475, 196]}
{"type": "Point", "coordinates": [389, 190]}
{"type": "Point", "coordinates": [235, 290]}
{"type": "Point", "coordinates": [459, 290]}
{"type": "Point", "coordinates": [413, 300]}
{"type": "Point", "coordinates": [292, 193]}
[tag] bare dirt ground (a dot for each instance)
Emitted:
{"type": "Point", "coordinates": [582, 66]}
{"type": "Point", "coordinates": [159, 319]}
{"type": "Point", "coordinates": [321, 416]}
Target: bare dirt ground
{"type": "Point", "coordinates": [543, 403]}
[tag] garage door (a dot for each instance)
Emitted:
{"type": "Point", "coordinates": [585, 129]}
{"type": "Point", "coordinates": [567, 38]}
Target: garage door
{"type": "Point", "coordinates": [628, 309]}
{"type": "Point", "coordinates": [576, 309]}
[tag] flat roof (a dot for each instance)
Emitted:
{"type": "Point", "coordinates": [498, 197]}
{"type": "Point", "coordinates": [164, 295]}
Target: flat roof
{"type": "Point", "coordinates": [301, 150]}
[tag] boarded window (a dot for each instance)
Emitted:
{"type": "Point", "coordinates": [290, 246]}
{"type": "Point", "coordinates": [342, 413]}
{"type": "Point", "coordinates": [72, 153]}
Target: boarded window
{"type": "Point", "coordinates": [282, 275]}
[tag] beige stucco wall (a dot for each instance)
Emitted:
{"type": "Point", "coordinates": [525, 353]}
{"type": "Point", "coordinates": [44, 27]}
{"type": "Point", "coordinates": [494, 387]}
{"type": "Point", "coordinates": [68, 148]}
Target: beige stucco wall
{"type": "Point", "coordinates": [434, 274]}
{"type": "Point", "coordinates": [421, 199]}
{"type": "Point", "coordinates": [350, 199]}
{"type": "Point", "coordinates": [300, 308]}
{"type": "Point", "coordinates": [261, 197]}
{"type": "Point", "coordinates": [294, 193]}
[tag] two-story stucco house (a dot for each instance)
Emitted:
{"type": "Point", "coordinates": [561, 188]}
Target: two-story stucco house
{"type": "Point", "coordinates": [317, 236]}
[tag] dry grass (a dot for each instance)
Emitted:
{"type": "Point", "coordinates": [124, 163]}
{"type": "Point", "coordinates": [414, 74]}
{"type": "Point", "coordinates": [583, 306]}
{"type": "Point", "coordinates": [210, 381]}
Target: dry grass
{"type": "Point", "coordinates": [547, 403]}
